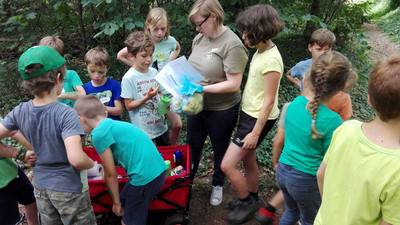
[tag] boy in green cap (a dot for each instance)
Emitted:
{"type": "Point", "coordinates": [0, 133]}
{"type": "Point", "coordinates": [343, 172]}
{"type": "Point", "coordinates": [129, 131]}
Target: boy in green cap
{"type": "Point", "coordinates": [55, 134]}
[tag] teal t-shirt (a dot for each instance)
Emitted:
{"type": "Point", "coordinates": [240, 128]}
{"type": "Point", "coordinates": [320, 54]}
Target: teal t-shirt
{"type": "Point", "coordinates": [163, 50]}
{"type": "Point", "coordinates": [71, 81]}
{"type": "Point", "coordinates": [300, 150]}
{"type": "Point", "coordinates": [131, 148]}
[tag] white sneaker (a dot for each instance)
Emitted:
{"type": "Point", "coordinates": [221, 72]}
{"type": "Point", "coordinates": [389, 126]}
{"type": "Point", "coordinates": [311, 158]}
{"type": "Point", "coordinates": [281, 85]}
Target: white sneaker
{"type": "Point", "coordinates": [216, 195]}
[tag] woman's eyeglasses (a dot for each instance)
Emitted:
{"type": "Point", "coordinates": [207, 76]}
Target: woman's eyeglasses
{"type": "Point", "coordinates": [202, 22]}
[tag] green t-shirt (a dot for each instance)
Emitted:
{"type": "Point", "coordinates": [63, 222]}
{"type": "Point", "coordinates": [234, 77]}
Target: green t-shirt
{"type": "Point", "coordinates": [131, 148]}
{"type": "Point", "coordinates": [8, 171]}
{"type": "Point", "coordinates": [300, 150]}
{"type": "Point", "coordinates": [163, 50]}
{"type": "Point", "coordinates": [8, 168]}
{"type": "Point", "coordinates": [71, 81]}
{"type": "Point", "coordinates": [361, 181]}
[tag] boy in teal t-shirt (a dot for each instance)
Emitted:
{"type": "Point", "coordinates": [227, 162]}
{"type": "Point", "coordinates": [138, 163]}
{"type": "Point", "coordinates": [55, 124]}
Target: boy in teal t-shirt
{"type": "Point", "coordinates": [73, 86]}
{"type": "Point", "coordinates": [123, 143]}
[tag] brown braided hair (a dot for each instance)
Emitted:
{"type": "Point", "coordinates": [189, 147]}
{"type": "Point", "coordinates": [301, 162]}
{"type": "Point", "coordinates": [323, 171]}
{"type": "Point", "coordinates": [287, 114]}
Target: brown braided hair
{"type": "Point", "coordinates": [329, 74]}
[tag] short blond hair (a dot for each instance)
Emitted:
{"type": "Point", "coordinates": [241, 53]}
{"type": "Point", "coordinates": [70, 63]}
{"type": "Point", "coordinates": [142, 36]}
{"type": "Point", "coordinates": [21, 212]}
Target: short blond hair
{"type": "Point", "coordinates": [54, 42]}
{"type": "Point", "coordinates": [90, 107]}
{"type": "Point", "coordinates": [155, 16]}
{"type": "Point", "coordinates": [97, 56]}
{"type": "Point", "coordinates": [206, 8]}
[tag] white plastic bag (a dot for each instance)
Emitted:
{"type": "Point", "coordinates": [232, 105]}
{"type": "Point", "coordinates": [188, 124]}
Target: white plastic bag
{"type": "Point", "coordinates": [172, 76]}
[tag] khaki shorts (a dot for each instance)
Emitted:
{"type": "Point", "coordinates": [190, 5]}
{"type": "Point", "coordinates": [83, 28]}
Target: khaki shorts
{"type": "Point", "coordinates": [64, 208]}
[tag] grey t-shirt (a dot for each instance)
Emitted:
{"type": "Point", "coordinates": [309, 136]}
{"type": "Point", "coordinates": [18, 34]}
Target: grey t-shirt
{"type": "Point", "coordinates": [213, 58]}
{"type": "Point", "coordinates": [46, 127]}
{"type": "Point", "coordinates": [134, 86]}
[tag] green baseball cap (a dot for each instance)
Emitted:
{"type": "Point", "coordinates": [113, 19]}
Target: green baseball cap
{"type": "Point", "coordinates": [46, 57]}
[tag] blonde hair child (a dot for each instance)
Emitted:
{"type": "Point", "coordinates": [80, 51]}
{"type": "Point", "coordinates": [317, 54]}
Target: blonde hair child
{"type": "Point", "coordinates": [166, 48]}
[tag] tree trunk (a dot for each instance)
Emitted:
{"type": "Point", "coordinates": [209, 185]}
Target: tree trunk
{"type": "Point", "coordinates": [310, 26]}
{"type": "Point", "coordinates": [79, 11]}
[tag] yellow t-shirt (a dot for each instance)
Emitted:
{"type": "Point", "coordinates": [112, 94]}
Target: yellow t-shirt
{"type": "Point", "coordinates": [362, 180]}
{"type": "Point", "coordinates": [253, 95]}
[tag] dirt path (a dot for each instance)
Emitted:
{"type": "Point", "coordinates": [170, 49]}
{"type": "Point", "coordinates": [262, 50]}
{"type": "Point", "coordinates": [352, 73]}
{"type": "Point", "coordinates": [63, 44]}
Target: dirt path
{"type": "Point", "coordinates": [381, 45]}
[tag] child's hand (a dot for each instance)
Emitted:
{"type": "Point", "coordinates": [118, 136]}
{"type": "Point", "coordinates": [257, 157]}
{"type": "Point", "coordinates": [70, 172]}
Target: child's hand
{"type": "Point", "coordinates": [250, 141]}
{"type": "Point", "coordinates": [117, 209]}
{"type": "Point", "coordinates": [30, 157]}
{"type": "Point", "coordinates": [151, 92]}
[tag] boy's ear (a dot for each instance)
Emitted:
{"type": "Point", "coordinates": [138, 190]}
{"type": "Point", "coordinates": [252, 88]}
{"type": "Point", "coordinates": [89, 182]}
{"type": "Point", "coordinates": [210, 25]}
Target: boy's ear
{"type": "Point", "coordinates": [309, 47]}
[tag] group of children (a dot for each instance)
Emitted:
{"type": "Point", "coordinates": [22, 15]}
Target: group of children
{"type": "Point", "coordinates": [327, 172]}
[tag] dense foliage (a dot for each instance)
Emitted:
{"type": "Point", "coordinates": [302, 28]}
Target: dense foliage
{"type": "Point", "coordinates": [83, 24]}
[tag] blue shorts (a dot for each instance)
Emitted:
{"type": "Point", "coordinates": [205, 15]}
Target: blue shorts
{"type": "Point", "coordinates": [19, 190]}
{"type": "Point", "coordinates": [135, 200]}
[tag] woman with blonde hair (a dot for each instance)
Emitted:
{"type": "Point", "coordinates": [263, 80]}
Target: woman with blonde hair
{"type": "Point", "coordinates": [220, 56]}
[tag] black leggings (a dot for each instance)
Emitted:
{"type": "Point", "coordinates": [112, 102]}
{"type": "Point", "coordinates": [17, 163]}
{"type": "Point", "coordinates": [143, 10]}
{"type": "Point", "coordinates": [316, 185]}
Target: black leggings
{"type": "Point", "coordinates": [219, 126]}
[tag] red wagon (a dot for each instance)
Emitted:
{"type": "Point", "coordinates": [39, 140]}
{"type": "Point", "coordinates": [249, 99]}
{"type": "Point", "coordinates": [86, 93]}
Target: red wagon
{"type": "Point", "coordinates": [173, 199]}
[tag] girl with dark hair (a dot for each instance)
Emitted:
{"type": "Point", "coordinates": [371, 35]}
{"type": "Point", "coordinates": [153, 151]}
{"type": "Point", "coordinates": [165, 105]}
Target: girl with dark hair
{"type": "Point", "coordinates": [259, 109]}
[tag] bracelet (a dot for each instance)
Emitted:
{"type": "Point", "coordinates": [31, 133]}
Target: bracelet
{"type": "Point", "coordinates": [21, 155]}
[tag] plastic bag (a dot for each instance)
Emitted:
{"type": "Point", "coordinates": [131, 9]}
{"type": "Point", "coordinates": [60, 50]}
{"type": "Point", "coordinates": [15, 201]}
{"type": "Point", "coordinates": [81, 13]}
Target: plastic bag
{"type": "Point", "coordinates": [188, 104]}
{"type": "Point", "coordinates": [182, 81]}
{"type": "Point", "coordinates": [176, 74]}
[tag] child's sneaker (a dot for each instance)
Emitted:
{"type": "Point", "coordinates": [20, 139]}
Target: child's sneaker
{"type": "Point", "coordinates": [266, 217]}
{"type": "Point", "coordinates": [216, 195]}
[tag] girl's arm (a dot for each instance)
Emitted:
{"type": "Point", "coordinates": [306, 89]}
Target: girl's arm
{"type": "Point", "coordinates": [116, 110]}
{"type": "Point", "coordinates": [271, 84]}
{"type": "Point", "coordinates": [131, 104]}
{"type": "Point", "coordinates": [320, 177]}
{"type": "Point", "coordinates": [123, 56]}
{"type": "Point", "coordinates": [232, 84]}
{"type": "Point", "coordinates": [111, 177]}
{"type": "Point", "coordinates": [76, 157]}
{"type": "Point", "coordinates": [176, 52]}
{"type": "Point", "coordinates": [277, 146]}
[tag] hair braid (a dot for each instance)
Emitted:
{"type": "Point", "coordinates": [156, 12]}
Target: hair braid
{"type": "Point", "coordinates": [319, 91]}
{"type": "Point", "coordinates": [329, 74]}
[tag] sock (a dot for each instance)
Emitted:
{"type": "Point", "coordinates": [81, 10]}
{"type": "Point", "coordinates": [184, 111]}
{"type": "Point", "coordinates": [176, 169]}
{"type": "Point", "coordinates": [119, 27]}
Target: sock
{"type": "Point", "coordinates": [270, 208]}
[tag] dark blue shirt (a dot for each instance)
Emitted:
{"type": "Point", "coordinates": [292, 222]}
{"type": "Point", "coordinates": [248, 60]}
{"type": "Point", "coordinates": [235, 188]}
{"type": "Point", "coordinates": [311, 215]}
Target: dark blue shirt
{"type": "Point", "coordinates": [107, 93]}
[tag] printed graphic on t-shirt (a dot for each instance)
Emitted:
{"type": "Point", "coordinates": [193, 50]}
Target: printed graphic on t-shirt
{"type": "Point", "coordinates": [148, 113]}
{"type": "Point", "coordinates": [104, 97]}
